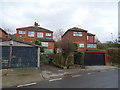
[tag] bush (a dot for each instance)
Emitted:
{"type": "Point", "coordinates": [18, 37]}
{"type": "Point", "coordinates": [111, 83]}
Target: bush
{"type": "Point", "coordinates": [113, 55]}
{"type": "Point", "coordinates": [78, 58]}
{"type": "Point", "coordinates": [44, 59]}
{"type": "Point", "coordinates": [59, 60]}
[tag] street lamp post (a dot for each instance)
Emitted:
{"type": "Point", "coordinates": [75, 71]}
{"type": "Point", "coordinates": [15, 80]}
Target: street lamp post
{"type": "Point", "coordinates": [10, 57]}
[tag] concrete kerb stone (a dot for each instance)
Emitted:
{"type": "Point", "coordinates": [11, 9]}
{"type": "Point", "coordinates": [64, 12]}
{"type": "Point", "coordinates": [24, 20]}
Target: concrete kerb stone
{"type": "Point", "coordinates": [63, 73]}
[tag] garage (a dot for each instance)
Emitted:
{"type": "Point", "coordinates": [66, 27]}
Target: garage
{"type": "Point", "coordinates": [94, 58]}
{"type": "Point", "coordinates": [23, 55]}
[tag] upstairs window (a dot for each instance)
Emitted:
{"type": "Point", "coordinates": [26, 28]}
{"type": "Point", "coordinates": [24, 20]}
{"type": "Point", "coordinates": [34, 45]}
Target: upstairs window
{"type": "Point", "coordinates": [31, 34]}
{"type": "Point", "coordinates": [91, 45]}
{"type": "Point", "coordinates": [21, 32]}
{"type": "Point", "coordinates": [39, 34]}
{"type": "Point", "coordinates": [44, 44]}
{"type": "Point", "coordinates": [81, 45]}
{"type": "Point", "coordinates": [48, 34]}
{"type": "Point", "coordinates": [77, 33]}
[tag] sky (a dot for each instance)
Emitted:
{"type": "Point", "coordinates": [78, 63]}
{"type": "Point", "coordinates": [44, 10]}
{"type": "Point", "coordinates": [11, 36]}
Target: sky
{"type": "Point", "coordinates": [99, 17]}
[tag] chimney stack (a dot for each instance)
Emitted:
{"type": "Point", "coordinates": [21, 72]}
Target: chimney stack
{"type": "Point", "coordinates": [36, 24]}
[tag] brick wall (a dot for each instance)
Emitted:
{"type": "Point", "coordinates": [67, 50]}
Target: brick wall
{"type": "Point", "coordinates": [3, 35]}
{"type": "Point", "coordinates": [91, 39]}
{"type": "Point", "coordinates": [77, 39]}
{"type": "Point", "coordinates": [26, 38]}
{"type": "Point", "coordinates": [50, 45]}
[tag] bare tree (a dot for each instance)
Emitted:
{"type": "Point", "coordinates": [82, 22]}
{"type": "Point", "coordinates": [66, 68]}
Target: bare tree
{"type": "Point", "coordinates": [68, 48]}
{"type": "Point", "coordinates": [97, 40]}
{"type": "Point", "coordinates": [58, 34]}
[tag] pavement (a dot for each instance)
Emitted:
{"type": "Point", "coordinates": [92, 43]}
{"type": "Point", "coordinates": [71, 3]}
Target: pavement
{"type": "Point", "coordinates": [11, 77]}
{"type": "Point", "coordinates": [50, 72]}
{"type": "Point", "coordinates": [15, 77]}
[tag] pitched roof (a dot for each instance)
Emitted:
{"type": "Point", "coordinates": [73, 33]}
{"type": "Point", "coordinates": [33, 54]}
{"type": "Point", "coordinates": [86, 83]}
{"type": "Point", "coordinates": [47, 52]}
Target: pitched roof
{"type": "Point", "coordinates": [18, 43]}
{"type": "Point", "coordinates": [89, 34]}
{"type": "Point", "coordinates": [75, 29]}
{"type": "Point", "coordinates": [34, 28]}
{"type": "Point", "coordinates": [45, 39]}
{"type": "Point", "coordinates": [3, 31]}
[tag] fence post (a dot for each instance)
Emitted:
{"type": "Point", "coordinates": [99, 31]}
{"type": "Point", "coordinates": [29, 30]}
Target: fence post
{"type": "Point", "coordinates": [10, 56]}
{"type": "Point", "coordinates": [38, 62]}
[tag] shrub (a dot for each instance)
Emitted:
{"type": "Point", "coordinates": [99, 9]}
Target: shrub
{"type": "Point", "coordinates": [44, 59]}
{"type": "Point", "coordinates": [78, 57]}
{"type": "Point", "coordinates": [113, 55]}
{"type": "Point", "coordinates": [59, 60]}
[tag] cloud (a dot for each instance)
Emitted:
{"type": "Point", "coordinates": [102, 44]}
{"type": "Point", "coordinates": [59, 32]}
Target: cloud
{"type": "Point", "coordinates": [98, 17]}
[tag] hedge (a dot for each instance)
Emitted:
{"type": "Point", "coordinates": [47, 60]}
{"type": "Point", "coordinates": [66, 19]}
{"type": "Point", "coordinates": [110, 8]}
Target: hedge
{"type": "Point", "coordinates": [113, 55]}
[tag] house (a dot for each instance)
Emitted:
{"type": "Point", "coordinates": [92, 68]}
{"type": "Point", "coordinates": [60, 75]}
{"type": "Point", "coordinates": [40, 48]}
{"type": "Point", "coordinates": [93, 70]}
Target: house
{"type": "Point", "coordinates": [33, 33]}
{"type": "Point", "coordinates": [21, 54]}
{"type": "Point", "coordinates": [3, 34]}
{"type": "Point", "coordinates": [81, 37]}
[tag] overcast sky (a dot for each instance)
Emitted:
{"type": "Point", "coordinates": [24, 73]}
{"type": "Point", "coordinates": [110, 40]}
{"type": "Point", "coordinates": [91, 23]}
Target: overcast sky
{"type": "Point", "coordinates": [99, 17]}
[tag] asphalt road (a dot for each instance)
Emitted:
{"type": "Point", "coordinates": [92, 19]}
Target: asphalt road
{"type": "Point", "coordinates": [104, 79]}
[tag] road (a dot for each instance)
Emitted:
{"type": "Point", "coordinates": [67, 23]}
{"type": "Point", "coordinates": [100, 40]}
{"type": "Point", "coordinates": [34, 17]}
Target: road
{"type": "Point", "coordinates": [103, 79]}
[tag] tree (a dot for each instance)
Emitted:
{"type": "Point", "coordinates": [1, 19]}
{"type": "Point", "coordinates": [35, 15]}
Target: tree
{"type": "Point", "coordinates": [68, 48]}
{"type": "Point", "coordinates": [97, 40]}
{"type": "Point", "coordinates": [58, 34]}
{"type": "Point", "coordinates": [38, 42]}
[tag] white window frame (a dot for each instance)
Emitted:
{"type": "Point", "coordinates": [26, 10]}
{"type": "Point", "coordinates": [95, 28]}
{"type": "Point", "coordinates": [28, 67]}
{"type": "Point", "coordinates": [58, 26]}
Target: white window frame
{"type": "Point", "coordinates": [44, 44]}
{"type": "Point", "coordinates": [48, 34]}
{"type": "Point", "coordinates": [91, 46]}
{"type": "Point", "coordinates": [77, 34]}
{"type": "Point", "coordinates": [21, 32]}
{"type": "Point", "coordinates": [94, 46]}
{"type": "Point", "coordinates": [88, 45]}
{"type": "Point", "coordinates": [31, 34]}
{"type": "Point", "coordinates": [81, 45]}
{"type": "Point", "coordinates": [39, 34]}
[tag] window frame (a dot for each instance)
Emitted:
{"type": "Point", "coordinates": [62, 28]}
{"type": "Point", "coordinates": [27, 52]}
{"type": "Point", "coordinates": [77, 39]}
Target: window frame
{"type": "Point", "coordinates": [44, 44]}
{"type": "Point", "coordinates": [91, 46]}
{"type": "Point", "coordinates": [80, 34]}
{"type": "Point", "coordinates": [48, 34]}
{"type": "Point", "coordinates": [29, 34]}
{"type": "Point", "coordinates": [82, 44]}
{"type": "Point", "coordinates": [21, 32]}
{"type": "Point", "coordinates": [39, 34]}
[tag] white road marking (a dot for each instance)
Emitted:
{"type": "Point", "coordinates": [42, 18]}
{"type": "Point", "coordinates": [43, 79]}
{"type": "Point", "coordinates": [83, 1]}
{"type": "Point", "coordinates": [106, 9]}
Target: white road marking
{"type": "Point", "coordinates": [55, 79]}
{"type": "Point", "coordinates": [76, 76]}
{"type": "Point", "coordinates": [60, 70]}
{"type": "Point", "coordinates": [89, 73]}
{"type": "Point", "coordinates": [26, 84]}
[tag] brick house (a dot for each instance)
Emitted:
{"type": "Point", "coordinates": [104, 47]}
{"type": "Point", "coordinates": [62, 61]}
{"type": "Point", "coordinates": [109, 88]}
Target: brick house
{"type": "Point", "coordinates": [81, 37]}
{"type": "Point", "coordinates": [32, 33]}
{"type": "Point", "coordinates": [3, 34]}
